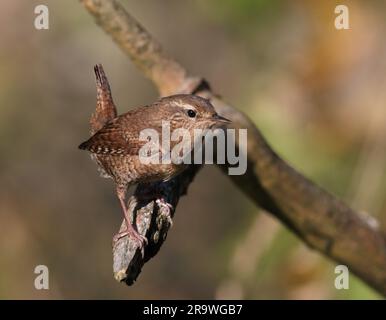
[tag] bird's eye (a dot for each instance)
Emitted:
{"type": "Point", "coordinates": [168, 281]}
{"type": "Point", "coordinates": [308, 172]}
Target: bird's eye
{"type": "Point", "coordinates": [191, 113]}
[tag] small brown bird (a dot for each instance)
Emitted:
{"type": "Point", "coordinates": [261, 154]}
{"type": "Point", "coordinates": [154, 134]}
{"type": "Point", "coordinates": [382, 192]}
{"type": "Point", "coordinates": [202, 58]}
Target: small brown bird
{"type": "Point", "coordinates": [115, 147]}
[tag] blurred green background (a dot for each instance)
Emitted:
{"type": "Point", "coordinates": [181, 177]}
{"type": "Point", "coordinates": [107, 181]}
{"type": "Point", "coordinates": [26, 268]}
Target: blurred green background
{"type": "Point", "coordinates": [316, 93]}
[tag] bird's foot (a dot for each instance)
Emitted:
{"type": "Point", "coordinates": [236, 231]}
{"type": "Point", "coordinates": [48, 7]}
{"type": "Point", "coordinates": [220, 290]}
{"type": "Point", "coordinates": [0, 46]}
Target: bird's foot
{"type": "Point", "coordinates": [141, 240]}
{"type": "Point", "coordinates": [165, 209]}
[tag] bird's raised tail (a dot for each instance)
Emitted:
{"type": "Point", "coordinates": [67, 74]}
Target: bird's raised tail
{"type": "Point", "coordinates": [105, 108]}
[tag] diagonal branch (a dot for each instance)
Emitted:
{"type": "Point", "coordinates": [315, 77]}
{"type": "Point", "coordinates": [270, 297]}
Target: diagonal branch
{"type": "Point", "coordinates": [322, 221]}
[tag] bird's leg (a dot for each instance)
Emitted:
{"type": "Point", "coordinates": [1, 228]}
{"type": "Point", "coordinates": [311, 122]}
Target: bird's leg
{"type": "Point", "coordinates": [130, 231]}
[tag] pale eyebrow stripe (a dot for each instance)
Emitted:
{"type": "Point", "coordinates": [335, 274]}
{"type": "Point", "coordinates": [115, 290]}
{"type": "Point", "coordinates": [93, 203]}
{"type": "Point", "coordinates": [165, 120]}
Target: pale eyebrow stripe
{"type": "Point", "coordinates": [184, 105]}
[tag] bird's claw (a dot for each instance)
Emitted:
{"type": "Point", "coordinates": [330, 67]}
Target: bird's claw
{"type": "Point", "coordinates": [142, 240]}
{"type": "Point", "coordinates": [162, 204]}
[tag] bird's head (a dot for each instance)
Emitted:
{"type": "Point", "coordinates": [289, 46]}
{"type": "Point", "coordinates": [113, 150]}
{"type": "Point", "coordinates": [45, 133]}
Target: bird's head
{"type": "Point", "coordinates": [192, 112]}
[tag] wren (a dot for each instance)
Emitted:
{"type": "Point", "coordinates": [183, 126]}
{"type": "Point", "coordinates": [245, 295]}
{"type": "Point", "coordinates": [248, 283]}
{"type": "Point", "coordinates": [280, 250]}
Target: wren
{"type": "Point", "coordinates": [115, 147]}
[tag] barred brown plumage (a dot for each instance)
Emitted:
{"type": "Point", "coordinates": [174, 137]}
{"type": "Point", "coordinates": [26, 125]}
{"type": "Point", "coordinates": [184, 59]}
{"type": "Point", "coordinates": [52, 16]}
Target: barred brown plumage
{"type": "Point", "coordinates": [115, 146]}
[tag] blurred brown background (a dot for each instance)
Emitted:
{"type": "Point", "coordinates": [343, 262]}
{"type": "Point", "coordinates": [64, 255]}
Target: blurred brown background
{"type": "Point", "coordinates": [316, 93]}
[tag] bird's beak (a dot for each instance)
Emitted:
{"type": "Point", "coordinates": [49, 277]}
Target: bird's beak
{"type": "Point", "coordinates": [220, 119]}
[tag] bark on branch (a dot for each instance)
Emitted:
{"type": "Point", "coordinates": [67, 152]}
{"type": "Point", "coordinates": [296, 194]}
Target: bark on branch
{"type": "Point", "coordinates": [322, 221]}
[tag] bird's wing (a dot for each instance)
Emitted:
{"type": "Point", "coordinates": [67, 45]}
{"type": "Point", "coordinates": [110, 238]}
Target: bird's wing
{"type": "Point", "coordinates": [116, 138]}
{"type": "Point", "coordinates": [112, 139]}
